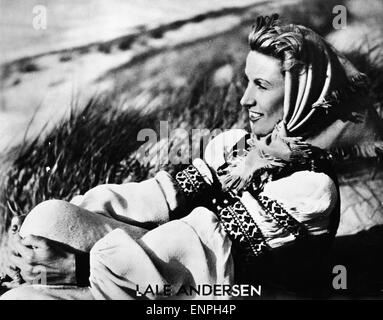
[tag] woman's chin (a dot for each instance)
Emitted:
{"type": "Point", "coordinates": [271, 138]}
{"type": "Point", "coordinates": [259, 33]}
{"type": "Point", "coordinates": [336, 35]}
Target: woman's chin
{"type": "Point", "coordinates": [259, 133]}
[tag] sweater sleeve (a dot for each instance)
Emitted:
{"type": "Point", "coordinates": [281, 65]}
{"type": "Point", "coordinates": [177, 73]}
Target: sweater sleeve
{"type": "Point", "coordinates": [152, 201]}
{"type": "Point", "coordinates": [302, 202]}
{"type": "Point", "coordinates": [310, 197]}
{"type": "Point", "coordinates": [143, 202]}
{"type": "Point", "coordinates": [161, 198]}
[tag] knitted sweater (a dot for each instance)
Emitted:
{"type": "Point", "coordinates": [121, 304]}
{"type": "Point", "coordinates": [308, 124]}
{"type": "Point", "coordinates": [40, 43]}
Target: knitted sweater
{"type": "Point", "coordinates": [200, 235]}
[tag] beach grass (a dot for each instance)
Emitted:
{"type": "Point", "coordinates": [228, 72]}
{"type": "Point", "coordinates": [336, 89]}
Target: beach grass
{"type": "Point", "coordinates": [98, 143]}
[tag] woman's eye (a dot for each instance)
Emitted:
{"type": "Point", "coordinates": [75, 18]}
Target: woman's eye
{"type": "Point", "coordinates": [259, 85]}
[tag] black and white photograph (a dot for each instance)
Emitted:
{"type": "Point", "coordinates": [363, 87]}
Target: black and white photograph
{"type": "Point", "coordinates": [166, 150]}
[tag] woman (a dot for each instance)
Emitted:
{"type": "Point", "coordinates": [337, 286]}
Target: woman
{"type": "Point", "coordinates": [263, 205]}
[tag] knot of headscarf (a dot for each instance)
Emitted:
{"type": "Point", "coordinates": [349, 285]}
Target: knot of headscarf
{"type": "Point", "coordinates": [319, 88]}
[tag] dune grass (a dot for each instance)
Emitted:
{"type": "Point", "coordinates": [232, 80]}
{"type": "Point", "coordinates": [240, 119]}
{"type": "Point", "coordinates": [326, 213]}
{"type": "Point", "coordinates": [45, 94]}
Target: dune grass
{"type": "Point", "coordinates": [98, 143]}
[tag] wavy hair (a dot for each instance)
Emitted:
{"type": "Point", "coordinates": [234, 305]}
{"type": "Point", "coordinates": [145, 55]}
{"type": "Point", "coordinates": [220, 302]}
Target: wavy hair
{"type": "Point", "coordinates": [270, 37]}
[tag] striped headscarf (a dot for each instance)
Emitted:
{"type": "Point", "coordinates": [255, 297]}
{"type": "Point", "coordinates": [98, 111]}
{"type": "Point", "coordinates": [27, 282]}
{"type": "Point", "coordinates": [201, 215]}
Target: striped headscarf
{"type": "Point", "coordinates": [321, 88]}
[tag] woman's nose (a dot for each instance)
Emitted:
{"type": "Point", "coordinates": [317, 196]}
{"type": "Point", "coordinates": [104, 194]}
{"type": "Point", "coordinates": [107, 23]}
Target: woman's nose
{"type": "Point", "coordinates": [248, 98]}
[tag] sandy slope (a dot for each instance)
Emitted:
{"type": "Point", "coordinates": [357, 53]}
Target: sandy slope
{"type": "Point", "coordinates": [73, 23]}
{"type": "Point", "coordinates": [47, 85]}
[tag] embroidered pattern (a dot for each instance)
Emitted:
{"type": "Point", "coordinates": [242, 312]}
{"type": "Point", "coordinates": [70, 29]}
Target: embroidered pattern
{"type": "Point", "coordinates": [241, 227]}
{"type": "Point", "coordinates": [190, 181]}
{"type": "Point", "coordinates": [283, 218]}
{"type": "Point", "coordinates": [237, 221]}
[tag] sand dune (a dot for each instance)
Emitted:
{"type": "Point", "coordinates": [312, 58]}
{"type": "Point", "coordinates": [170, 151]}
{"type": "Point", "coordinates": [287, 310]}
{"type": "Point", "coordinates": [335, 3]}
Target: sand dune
{"type": "Point", "coordinates": [46, 85]}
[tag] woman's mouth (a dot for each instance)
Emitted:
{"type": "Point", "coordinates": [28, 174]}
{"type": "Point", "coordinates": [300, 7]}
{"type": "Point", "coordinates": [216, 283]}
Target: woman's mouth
{"type": "Point", "coordinates": [254, 116]}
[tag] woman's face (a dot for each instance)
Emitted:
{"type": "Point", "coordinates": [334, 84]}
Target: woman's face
{"type": "Point", "coordinates": [264, 93]}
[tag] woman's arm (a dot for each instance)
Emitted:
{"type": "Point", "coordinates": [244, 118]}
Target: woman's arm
{"type": "Point", "coordinates": [301, 206]}
{"type": "Point", "coordinates": [149, 201]}
{"type": "Point", "coordinates": [153, 201]}
{"type": "Point", "coordinates": [161, 198]}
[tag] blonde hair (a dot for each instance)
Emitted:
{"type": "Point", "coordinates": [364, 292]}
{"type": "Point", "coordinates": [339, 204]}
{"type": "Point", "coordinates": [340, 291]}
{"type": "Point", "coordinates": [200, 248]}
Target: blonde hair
{"type": "Point", "coordinates": [270, 37]}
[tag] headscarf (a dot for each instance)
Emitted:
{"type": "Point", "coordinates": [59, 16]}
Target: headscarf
{"type": "Point", "coordinates": [321, 88]}
{"type": "Point", "coordinates": [317, 91]}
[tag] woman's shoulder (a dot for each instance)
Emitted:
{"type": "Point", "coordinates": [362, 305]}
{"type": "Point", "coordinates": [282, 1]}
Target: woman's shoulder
{"type": "Point", "coordinates": [305, 191]}
{"type": "Point", "coordinates": [302, 183]}
{"type": "Point", "coordinates": [221, 145]}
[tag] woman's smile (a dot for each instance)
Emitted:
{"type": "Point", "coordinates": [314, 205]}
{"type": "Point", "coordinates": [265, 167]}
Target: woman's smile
{"type": "Point", "coordinates": [254, 115]}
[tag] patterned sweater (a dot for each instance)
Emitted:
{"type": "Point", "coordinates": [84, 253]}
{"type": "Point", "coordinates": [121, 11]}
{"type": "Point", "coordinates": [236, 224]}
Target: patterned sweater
{"type": "Point", "coordinates": [200, 235]}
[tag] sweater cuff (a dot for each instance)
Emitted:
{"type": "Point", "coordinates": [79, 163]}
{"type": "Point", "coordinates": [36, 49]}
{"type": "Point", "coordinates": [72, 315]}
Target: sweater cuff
{"type": "Point", "coordinates": [185, 187]}
{"type": "Point", "coordinates": [194, 180]}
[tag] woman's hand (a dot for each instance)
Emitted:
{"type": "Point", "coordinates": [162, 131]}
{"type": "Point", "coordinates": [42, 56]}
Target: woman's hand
{"type": "Point", "coordinates": [40, 260]}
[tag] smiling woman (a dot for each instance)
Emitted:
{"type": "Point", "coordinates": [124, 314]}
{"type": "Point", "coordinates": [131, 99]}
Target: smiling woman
{"type": "Point", "coordinates": [265, 92]}
{"type": "Point", "coordinates": [263, 207]}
